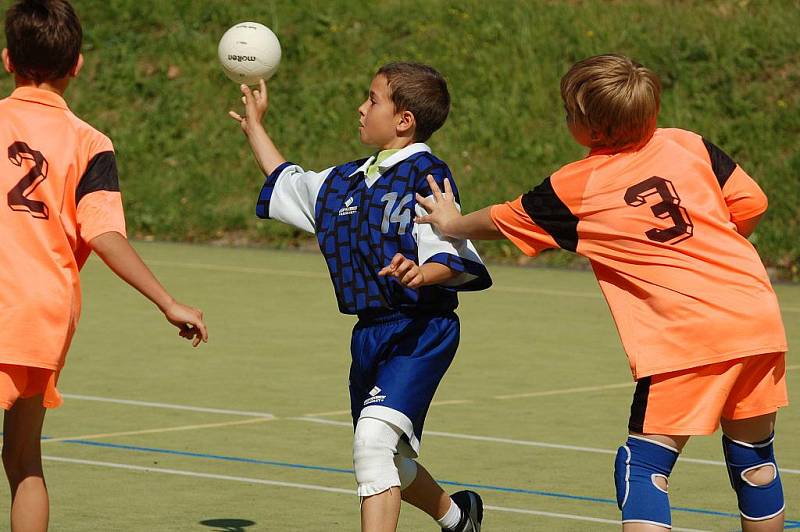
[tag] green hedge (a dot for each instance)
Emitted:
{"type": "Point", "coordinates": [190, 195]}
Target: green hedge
{"type": "Point", "coordinates": [731, 71]}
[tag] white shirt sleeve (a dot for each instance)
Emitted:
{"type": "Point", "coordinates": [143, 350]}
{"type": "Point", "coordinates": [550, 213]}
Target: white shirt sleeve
{"type": "Point", "coordinates": [294, 196]}
{"type": "Point", "coordinates": [430, 243]}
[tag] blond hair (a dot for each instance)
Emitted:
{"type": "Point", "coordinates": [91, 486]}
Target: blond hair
{"type": "Point", "coordinates": [614, 97]}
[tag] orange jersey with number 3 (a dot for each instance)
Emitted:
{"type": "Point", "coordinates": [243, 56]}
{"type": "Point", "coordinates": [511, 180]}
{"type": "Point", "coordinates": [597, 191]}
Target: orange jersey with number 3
{"type": "Point", "coordinates": [58, 190]}
{"type": "Point", "coordinates": [684, 287]}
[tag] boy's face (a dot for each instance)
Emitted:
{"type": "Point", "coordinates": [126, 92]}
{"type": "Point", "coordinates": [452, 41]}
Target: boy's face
{"type": "Point", "coordinates": [377, 116]}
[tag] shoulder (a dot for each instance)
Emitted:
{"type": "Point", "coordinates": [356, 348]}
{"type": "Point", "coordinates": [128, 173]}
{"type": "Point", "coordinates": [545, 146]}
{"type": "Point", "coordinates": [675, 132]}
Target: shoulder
{"type": "Point", "coordinates": [349, 167]}
{"type": "Point", "coordinates": [90, 137]}
{"type": "Point", "coordinates": [428, 162]}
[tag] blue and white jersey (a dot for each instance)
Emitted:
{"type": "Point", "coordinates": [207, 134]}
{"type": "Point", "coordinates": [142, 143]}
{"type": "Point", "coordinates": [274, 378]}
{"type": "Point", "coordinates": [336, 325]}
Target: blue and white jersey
{"type": "Point", "coordinates": [362, 222]}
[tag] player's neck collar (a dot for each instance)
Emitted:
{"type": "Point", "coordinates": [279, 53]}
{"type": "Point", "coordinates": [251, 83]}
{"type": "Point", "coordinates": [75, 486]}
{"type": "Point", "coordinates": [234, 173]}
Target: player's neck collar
{"type": "Point", "coordinates": [43, 96]}
{"type": "Point", "coordinates": [392, 160]}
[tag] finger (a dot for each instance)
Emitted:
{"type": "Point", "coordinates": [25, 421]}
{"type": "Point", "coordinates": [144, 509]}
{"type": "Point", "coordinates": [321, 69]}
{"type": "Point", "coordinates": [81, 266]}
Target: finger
{"type": "Point", "coordinates": [437, 192]}
{"type": "Point", "coordinates": [386, 270]}
{"type": "Point", "coordinates": [448, 190]}
{"type": "Point", "coordinates": [244, 100]}
{"type": "Point", "coordinates": [412, 274]}
{"type": "Point", "coordinates": [401, 270]}
{"type": "Point", "coordinates": [262, 85]}
{"type": "Point", "coordinates": [236, 116]}
{"type": "Point", "coordinates": [427, 203]}
{"type": "Point", "coordinates": [397, 260]}
{"type": "Point", "coordinates": [417, 281]}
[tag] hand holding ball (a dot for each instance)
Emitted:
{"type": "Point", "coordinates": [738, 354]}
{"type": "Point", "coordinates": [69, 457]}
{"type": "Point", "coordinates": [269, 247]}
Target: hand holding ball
{"type": "Point", "coordinates": [248, 52]}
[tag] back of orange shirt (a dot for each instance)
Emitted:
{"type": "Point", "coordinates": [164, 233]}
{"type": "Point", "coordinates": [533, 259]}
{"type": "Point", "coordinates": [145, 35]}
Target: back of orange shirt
{"type": "Point", "coordinates": [58, 190]}
{"type": "Point", "coordinates": [684, 287]}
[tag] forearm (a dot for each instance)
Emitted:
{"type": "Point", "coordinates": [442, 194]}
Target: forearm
{"type": "Point", "coordinates": [265, 151]}
{"type": "Point", "coordinates": [476, 225]}
{"type": "Point", "coordinates": [435, 273]}
{"type": "Point", "coordinates": [117, 253]}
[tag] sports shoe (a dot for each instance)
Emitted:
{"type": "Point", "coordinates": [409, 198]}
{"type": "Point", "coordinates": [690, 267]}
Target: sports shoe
{"type": "Point", "coordinates": [471, 507]}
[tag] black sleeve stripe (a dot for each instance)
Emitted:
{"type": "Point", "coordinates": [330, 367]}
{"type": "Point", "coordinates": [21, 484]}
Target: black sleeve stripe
{"type": "Point", "coordinates": [721, 163]}
{"type": "Point", "coordinates": [101, 174]}
{"type": "Point", "coordinates": [551, 214]}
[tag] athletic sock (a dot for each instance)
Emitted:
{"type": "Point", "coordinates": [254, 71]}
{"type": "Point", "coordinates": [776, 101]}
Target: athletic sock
{"type": "Point", "coordinates": [450, 520]}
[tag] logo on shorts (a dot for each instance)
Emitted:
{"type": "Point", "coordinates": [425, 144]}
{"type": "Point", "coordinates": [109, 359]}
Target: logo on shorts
{"type": "Point", "coordinates": [374, 397]}
{"type": "Point", "coordinates": [348, 208]}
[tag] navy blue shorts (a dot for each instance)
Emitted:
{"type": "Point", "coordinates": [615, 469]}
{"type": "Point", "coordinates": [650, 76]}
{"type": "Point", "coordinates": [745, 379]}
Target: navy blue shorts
{"type": "Point", "coordinates": [398, 362]}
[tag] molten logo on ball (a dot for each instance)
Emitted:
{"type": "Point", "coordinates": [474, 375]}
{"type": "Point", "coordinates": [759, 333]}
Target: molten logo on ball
{"type": "Point", "coordinates": [248, 52]}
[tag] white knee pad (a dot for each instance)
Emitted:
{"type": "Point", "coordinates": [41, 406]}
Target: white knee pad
{"type": "Point", "coordinates": [406, 469]}
{"type": "Point", "coordinates": [374, 447]}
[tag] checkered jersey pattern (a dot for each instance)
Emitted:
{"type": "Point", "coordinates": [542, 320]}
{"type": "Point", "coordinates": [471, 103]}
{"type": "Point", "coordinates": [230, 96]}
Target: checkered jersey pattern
{"type": "Point", "coordinates": [360, 228]}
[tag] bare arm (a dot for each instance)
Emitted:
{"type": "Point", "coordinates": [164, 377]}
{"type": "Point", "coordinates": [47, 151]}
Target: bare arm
{"type": "Point", "coordinates": [117, 253]}
{"type": "Point", "coordinates": [413, 276]}
{"type": "Point", "coordinates": [256, 104]}
{"type": "Point", "coordinates": [446, 218]}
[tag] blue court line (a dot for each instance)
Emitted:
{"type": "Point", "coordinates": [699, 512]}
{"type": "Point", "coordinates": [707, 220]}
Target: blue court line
{"type": "Point", "coordinates": [487, 487]}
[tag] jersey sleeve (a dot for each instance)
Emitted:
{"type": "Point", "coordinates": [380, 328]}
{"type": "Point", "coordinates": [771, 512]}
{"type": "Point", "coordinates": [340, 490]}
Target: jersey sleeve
{"type": "Point", "coordinates": [743, 196]}
{"type": "Point", "coordinates": [97, 197]}
{"type": "Point", "coordinates": [512, 220]}
{"type": "Point", "coordinates": [289, 195]}
{"type": "Point", "coordinates": [537, 220]}
{"type": "Point", "coordinates": [458, 255]}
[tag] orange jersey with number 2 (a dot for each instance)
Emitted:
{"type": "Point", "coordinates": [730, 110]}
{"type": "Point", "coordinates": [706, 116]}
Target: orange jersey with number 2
{"type": "Point", "coordinates": [58, 190]}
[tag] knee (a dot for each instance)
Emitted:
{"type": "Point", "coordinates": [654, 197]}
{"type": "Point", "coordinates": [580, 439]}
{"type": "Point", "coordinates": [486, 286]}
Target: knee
{"type": "Point", "coordinates": [374, 447]}
{"type": "Point", "coordinates": [754, 477]}
{"type": "Point", "coordinates": [641, 476]}
{"type": "Point", "coordinates": [20, 463]}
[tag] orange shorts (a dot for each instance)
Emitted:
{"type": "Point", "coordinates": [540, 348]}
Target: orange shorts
{"type": "Point", "coordinates": [692, 401]}
{"type": "Point", "coordinates": [24, 381]}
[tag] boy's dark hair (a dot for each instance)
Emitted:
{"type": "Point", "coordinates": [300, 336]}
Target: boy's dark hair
{"type": "Point", "coordinates": [422, 91]}
{"type": "Point", "coordinates": [43, 39]}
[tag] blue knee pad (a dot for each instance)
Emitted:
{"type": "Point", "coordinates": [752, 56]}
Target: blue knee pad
{"type": "Point", "coordinates": [756, 502]}
{"type": "Point", "coordinates": [639, 462]}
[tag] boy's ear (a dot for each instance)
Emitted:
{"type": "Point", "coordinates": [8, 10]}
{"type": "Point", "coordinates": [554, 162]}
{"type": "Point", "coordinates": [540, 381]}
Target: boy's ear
{"type": "Point", "coordinates": [407, 122]}
{"type": "Point", "coordinates": [73, 73]}
{"type": "Point", "coordinates": [7, 61]}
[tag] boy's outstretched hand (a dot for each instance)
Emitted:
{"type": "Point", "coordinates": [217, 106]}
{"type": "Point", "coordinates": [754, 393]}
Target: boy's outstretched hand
{"type": "Point", "coordinates": [442, 209]}
{"type": "Point", "coordinates": [404, 270]}
{"type": "Point", "coordinates": [189, 321]}
{"type": "Point", "coordinates": [256, 103]}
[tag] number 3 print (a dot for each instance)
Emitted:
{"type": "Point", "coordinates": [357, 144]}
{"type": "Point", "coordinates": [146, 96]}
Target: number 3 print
{"type": "Point", "coordinates": [18, 197]}
{"type": "Point", "coordinates": [668, 207]}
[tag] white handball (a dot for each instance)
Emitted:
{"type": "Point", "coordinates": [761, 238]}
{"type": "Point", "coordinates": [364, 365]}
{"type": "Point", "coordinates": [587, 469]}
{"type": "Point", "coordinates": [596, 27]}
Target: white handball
{"type": "Point", "coordinates": [248, 52]}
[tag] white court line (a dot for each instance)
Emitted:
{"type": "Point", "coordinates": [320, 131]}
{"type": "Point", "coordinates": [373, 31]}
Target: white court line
{"type": "Point", "coordinates": [575, 517]}
{"type": "Point", "coordinates": [168, 406]}
{"type": "Point", "coordinates": [320, 275]}
{"type": "Point", "coordinates": [313, 487]}
{"type": "Point", "coordinates": [159, 431]}
{"type": "Point", "coordinates": [527, 443]}
{"type": "Point", "coordinates": [568, 390]}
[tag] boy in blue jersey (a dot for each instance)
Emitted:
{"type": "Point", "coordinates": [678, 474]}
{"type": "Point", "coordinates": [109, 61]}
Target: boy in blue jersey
{"type": "Point", "coordinates": [399, 278]}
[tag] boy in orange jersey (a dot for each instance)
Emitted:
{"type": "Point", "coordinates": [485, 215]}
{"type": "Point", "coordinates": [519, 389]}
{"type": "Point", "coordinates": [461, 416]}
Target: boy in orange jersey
{"type": "Point", "coordinates": [60, 200]}
{"type": "Point", "coordinates": [663, 216]}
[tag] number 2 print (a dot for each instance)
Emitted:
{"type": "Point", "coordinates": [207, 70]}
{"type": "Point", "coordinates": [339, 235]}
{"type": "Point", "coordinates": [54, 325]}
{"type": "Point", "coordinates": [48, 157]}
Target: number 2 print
{"type": "Point", "coordinates": [19, 196]}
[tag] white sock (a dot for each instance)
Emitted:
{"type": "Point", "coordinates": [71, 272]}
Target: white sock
{"type": "Point", "coordinates": [451, 518]}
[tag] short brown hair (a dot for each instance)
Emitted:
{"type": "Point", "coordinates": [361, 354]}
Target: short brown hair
{"type": "Point", "coordinates": [422, 91]}
{"type": "Point", "coordinates": [43, 38]}
{"type": "Point", "coordinates": [614, 96]}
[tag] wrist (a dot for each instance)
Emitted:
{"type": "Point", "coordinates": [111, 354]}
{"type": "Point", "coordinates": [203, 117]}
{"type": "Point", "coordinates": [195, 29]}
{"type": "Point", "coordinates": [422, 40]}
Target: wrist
{"type": "Point", "coordinates": [165, 303]}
